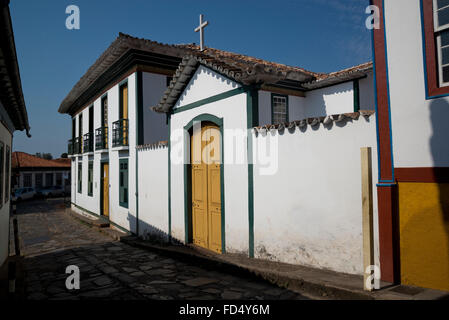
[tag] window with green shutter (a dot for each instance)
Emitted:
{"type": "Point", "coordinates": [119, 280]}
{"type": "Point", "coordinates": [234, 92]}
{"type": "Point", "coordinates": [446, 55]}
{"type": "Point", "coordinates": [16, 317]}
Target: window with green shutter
{"type": "Point", "coordinates": [123, 183]}
{"type": "Point", "coordinates": [80, 177]}
{"type": "Point", "coordinates": [90, 179]}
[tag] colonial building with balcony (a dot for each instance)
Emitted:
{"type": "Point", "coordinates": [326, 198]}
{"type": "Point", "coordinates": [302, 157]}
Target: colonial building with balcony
{"type": "Point", "coordinates": [140, 101]}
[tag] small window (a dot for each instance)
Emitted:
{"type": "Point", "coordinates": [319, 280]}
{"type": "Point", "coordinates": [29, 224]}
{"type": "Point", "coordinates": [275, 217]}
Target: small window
{"type": "Point", "coordinates": [27, 180]}
{"type": "Point", "coordinates": [436, 46]}
{"type": "Point", "coordinates": [80, 177]}
{"type": "Point", "coordinates": [279, 109]}
{"type": "Point", "coordinates": [90, 179]}
{"type": "Point", "coordinates": [123, 183]}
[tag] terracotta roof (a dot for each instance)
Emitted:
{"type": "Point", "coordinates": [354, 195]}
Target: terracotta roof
{"type": "Point", "coordinates": [326, 121]}
{"type": "Point", "coordinates": [351, 73]}
{"type": "Point", "coordinates": [25, 160]}
{"type": "Point", "coordinates": [233, 62]}
{"type": "Point", "coordinates": [239, 67]}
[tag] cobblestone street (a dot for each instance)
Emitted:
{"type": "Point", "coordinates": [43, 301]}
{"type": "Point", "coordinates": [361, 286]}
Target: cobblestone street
{"type": "Point", "coordinates": [52, 240]}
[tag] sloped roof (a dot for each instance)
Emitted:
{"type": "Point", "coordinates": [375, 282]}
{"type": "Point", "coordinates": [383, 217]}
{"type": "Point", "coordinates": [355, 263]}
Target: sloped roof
{"type": "Point", "coordinates": [340, 76]}
{"type": "Point", "coordinates": [252, 72]}
{"type": "Point", "coordinates": [11, 95]}
{"type": "Point", "coordinates": [183, 58]}
{"type": "Point", "coordinates": [25, 160]}
{"type": "Point", "coordinates": [124, 44]}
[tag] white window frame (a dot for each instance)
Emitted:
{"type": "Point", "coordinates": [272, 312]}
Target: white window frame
{"type": "Point", "coordinates": [437, 35]}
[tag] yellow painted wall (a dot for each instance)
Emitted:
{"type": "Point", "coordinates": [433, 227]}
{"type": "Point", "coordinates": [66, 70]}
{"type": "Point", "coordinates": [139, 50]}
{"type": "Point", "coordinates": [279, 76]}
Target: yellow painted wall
{"type": "Point", "coordinates": [424, 234]}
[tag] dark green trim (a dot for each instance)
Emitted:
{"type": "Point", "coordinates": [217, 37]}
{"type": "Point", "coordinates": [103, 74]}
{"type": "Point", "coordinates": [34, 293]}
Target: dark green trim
{"type": "Point", "coordinates": [121, 189]}
{"type": "Point", "coordinates": [169, 176]}
{"type": "Point", "coordinates": [188, 178]}
{"type": "Point", "coordinates": [356, 96]}
{"type": "Point", "coordinates": [90, 182]}
{"type": "Point", "coordinates": [251, 105]}
{"type": "Point", "coordinates": [139, 111]}
{"type": "Point", "coordinates": [205, 117]}
{"type": "Point", "coordinates": [208, 100]}
{"type": "Point", "coordinates": [101, 188]}
{"type": "Point", "coordinates": [273, 95]}
{"type": "Point", "coordinates": [80, 177]}
{"type": "Point", "coordinates": [139, 137]}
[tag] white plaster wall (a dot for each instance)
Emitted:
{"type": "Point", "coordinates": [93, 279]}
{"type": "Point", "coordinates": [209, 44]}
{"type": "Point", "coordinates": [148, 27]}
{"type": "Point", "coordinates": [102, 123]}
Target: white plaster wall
{"type": "Point", "coordinates": [6, 138]}
{"type": "Point", "coordinates": [296, 108]}
{"type": "Point", "coordinates": [204, 84]}
{"type": "Point", "coordinates": [331, 100]}
{"type": "Point", "coordinates": [153, 192]}
{"type": "Point", "coordinates": [155, 127]}
{"type": "Point", "coordinates": [309, 211]}
{"type": "Point", "coordinates": [366, 89]}
{"type": "Point", "coordinates": [419, 126]}
{"type": "Point", "coordinates": [233, 112]}
{"type": "Point", "coordinates": [123, 217]}
{"type": "Point", "coordinates": [321, 102]}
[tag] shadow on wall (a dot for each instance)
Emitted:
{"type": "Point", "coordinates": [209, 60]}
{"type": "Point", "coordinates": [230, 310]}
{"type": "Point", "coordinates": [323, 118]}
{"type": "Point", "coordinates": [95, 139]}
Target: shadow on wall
{"type": "Point", "coordinates": [151, 233]}
{"type": "Point", "coordinates": [439, 144]}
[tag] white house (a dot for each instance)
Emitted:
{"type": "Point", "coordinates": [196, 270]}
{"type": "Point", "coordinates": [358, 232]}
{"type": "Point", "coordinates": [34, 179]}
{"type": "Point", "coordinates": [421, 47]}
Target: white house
{"type": "Point", "coordinates": [299, 203]}
{"type": "Point", "coordinates": [13, 116]}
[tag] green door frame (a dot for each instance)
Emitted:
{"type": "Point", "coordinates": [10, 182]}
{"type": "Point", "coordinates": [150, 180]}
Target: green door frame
{"type": "Point", "coordinates": [188, 178]}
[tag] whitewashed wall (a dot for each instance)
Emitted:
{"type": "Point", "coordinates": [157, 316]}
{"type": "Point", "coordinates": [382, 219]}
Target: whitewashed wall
{"type": "Point", "coordinates": [366, 88]}
{"type": "Point", "coordinates": [123, 217]}
{"type": "Point", "coordinates": [419, 126]}
{"type": "Point", "coordinates": [296, 108]}
{"type": "Point", "coordinates": [233, 112]}
{"type": "Point", "coordinates": [6, 138]}
{"type": "Point", "coordinates": [204, 84]}
{"type": "Point", "coordinates": [332, 100]}
{"type": "Point", "coordinates": [309, 212]}
{"type": "Point", "coordinates": [153, 192]}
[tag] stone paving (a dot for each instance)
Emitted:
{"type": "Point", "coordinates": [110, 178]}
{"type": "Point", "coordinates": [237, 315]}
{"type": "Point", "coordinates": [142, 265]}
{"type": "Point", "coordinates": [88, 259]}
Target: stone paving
{"type": "Point", "coordinates": [52, 240]}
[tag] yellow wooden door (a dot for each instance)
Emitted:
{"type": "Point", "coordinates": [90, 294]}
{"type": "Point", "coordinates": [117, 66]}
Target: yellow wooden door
{"type": "Point", "coordinates": [213, 188]}
{"type": "Point", "coordinates": [106, 189]}
{"type": "Point", "coordinates": [199, 191]}
{"type": "Point", "coordinates": [206, 191]}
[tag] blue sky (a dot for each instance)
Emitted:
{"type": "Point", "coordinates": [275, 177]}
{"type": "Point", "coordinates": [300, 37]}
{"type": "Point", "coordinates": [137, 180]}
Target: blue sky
{"type": "Point", "coordinates": [318, 35]}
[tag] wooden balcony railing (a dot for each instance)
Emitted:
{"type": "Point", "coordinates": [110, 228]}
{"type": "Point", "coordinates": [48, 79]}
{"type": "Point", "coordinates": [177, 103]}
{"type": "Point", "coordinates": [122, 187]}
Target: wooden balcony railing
{"type": "Point", "coordinates": [120, 134]}
{"type": "Point", "coordinates": [101, 138]}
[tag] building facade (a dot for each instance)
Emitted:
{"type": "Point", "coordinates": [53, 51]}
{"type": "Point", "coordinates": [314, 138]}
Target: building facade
{"type": "Point", "coordinates": [131, 163]}
{"type": "Point", "coordinates": [413, 106]}
{"type": "Point", "coordinates": [13, 116]}
{"type": "Point", "coordinates": [30, 171]}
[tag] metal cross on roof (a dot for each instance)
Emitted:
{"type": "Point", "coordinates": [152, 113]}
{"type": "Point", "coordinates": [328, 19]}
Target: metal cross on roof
{"type": "Point", "coordinates": [200, 28]}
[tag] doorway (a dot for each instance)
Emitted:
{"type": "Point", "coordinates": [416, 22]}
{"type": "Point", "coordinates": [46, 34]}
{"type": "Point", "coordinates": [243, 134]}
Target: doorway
{"type": "Point", "coordinates": [105, 189]}
{"type": "Point", "coordinates": [206, 187]}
